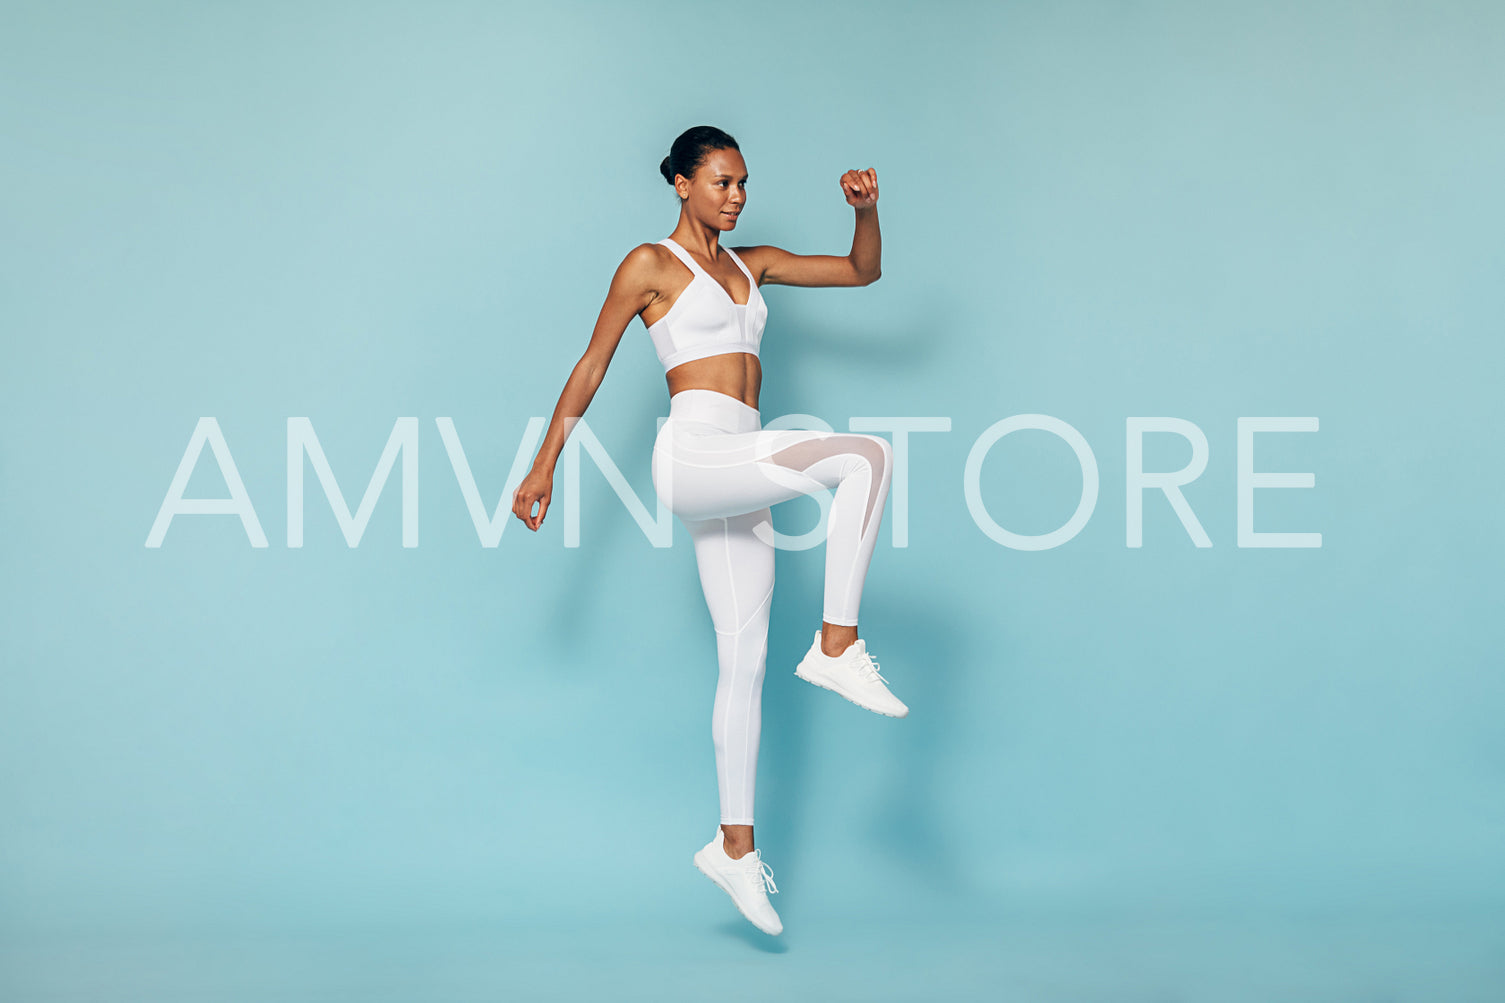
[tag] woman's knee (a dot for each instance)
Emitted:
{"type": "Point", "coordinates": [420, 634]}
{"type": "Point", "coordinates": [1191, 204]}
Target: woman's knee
{"type": "Point", "coordinates": [886, 450]}
{"type": "Point", "coordinates": [878, 454]}
{"type": "Point", "coordinates": [855, 445]}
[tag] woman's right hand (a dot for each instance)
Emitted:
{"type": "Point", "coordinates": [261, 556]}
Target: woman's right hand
{"type": "Point", "coordinates": [536, 487]}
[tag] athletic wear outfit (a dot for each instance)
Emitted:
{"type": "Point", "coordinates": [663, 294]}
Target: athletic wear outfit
{"type": "Point", "coordinates": [718, 471]}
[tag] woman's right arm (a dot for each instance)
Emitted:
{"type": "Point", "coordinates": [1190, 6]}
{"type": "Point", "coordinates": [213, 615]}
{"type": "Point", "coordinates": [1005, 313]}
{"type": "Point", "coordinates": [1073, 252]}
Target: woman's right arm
{"type": "Point", "coordinates": [632, 289]}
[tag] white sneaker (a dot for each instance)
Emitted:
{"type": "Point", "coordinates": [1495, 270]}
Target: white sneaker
{"type": "Point", "coordinates": [748, 880]}
{"type": "Point", "coordinates": [852, 674]}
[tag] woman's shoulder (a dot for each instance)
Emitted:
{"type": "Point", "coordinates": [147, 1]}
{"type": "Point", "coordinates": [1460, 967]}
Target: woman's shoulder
{"type": "Point", "coordinates": [647, 255]}
{"type": "Point", "coordinates": [644, 269]}
{"type": "Point", "coordinates": [645, 260]}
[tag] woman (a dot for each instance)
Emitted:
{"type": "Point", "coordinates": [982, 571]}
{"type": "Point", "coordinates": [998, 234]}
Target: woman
{"type": "Point", "coordinates": [718, 471]}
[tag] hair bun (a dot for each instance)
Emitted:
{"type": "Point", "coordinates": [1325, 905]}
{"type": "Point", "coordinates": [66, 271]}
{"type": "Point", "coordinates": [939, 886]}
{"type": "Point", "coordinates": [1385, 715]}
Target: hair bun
{"type": "Point", "coordinates": [689, 150]}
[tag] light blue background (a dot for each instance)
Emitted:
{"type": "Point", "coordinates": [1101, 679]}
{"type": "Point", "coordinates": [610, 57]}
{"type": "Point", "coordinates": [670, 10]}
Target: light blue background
{"type": "Point", "coordinates": [456, 772]}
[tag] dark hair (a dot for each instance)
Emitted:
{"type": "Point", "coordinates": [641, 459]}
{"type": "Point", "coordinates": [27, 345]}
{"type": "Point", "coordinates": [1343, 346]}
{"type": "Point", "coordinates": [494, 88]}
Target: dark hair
{"type": "Point", "coordinates": [690, 149]}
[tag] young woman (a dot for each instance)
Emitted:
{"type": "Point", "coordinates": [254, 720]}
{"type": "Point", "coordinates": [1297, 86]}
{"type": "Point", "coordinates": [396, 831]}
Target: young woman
{"type": "Point", "coordinates": [718, 470]}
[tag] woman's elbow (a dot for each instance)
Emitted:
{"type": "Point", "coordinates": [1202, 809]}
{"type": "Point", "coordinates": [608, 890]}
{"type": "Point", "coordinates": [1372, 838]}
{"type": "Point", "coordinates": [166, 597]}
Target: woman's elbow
{"type": "Point", "coordinates": [591, 369]}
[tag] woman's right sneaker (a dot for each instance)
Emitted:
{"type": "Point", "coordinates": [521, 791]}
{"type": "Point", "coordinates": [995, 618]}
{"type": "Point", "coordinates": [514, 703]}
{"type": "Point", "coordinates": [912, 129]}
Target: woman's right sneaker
{"type": "Point", "coordinates": [852, 674]}
{"type": "Point", "coordinates": [748, 880]}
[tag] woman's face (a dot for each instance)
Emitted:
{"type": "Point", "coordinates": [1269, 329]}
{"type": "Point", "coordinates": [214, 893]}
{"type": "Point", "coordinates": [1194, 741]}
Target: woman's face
{"type": "Point", "coordinates": [718, 191]}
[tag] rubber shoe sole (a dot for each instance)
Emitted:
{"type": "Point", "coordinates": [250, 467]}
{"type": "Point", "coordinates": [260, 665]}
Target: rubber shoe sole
{"type": "Point", "coordinates": [726, 888]}
{"type": "Point", "coordinates": [827, 684]}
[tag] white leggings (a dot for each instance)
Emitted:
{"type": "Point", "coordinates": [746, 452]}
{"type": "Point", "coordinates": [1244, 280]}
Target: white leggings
{"type": "Point", "coordinates": [718, 470]}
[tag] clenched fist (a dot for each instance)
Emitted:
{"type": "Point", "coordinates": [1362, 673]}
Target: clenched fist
{"type": "Point", "coordinates": [860, 188]}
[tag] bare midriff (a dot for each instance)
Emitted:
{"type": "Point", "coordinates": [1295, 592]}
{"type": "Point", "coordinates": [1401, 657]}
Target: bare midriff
{"type": "Point", "coordinates": [736, 374]}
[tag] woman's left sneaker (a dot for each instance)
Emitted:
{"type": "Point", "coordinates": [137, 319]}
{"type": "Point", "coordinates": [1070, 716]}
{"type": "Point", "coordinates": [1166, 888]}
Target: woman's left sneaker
{"type": "Point", "coordinates": [748, 880]}
{"type": "Point", "coordinates": [852, 674]}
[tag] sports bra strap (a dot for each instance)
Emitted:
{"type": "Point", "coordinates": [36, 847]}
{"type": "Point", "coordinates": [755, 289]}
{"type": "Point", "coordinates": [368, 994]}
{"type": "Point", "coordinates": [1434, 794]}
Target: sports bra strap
{"type": "Point", "coordinates": [733, 255]}
{"type": "Point", "coordinates": [684, 255]}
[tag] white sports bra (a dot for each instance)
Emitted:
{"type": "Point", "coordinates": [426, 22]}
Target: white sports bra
{"type": "Point", "coordinates": [704, 321]}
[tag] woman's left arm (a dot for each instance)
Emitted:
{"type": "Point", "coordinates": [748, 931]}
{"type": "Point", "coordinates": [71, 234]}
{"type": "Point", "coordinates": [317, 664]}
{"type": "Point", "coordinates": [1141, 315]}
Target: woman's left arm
{"type": "Point", "coordinates": [859, 268]}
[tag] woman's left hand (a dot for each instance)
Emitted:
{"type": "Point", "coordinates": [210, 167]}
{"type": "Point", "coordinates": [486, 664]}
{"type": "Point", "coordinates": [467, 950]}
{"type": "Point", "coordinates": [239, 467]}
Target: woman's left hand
{"type": "Point", "coordinates": [860, 188]}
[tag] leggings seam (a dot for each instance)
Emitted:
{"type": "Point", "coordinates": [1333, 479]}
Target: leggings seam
{"type": "Point", "coordinates": [758, 609]}
{"type": "Point", "coordinates": [726, 712]}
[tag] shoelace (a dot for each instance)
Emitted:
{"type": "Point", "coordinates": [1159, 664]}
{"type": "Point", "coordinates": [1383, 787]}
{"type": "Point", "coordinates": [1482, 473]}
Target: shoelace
{"type": "Point", "coordinates": [762, 871]}
{"type": "Point", "coordinates": [867, 666]}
